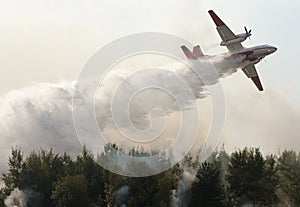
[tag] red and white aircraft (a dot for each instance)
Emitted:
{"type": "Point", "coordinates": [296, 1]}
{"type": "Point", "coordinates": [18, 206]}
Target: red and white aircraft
{"type": "Point", "coordinates": [250, 56]}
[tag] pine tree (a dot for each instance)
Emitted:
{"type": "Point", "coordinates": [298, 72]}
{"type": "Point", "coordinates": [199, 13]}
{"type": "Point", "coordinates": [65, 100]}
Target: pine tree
{"type": "Point", "coordinates": [70, 191]}
{"type": "Point", "coordinates": [12, 179]}
{"type": "Point", "coordinates": [142, 190]}
{"type": "Point", "coordinates": [207, 190]}
{"type": "Point", "coordinates": [269, 182]}
{"type": "Point", "coordinates": [289, 177]}
{"type": "Point", "coordinates": [39, 172]}
{"type": "Point", "coordinates": [252, 178]}
{"type": "Point", "coordinates": [167, 182]}
{"type": "Point", "coordinates": [93, 173]}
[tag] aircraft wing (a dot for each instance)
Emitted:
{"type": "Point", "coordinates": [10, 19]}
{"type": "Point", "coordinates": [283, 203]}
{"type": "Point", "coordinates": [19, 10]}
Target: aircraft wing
{"type": "Point", "coordinates": [224, 32]}
{"type": "Point", "coordinates": [251, 72]}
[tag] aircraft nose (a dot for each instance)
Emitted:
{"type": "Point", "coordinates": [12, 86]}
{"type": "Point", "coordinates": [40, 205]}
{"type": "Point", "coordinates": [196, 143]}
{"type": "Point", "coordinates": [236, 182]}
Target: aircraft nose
{"type": "Point", "coordinates": [272, 50]}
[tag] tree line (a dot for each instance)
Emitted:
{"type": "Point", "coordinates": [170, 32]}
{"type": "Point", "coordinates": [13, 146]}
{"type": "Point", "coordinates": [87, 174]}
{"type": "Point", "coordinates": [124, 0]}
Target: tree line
{"type": "Point", "coordinates": [48, 179]}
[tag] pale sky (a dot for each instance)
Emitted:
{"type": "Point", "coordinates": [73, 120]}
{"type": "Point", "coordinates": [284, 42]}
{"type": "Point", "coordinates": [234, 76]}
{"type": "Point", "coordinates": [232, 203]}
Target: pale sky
{"type": "Point", "coordinates": [45, 41]}
{"type": "Point", "coordinates": [50, 41]}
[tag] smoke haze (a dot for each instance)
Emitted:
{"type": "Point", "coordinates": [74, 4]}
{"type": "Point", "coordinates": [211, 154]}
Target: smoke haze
{"type": "Point", "coordinates": [41, 115]}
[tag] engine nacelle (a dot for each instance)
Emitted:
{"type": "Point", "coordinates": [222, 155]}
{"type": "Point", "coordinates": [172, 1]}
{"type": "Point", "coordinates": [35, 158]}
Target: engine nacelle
{"type": "Point", "coordinates": [234, 41]}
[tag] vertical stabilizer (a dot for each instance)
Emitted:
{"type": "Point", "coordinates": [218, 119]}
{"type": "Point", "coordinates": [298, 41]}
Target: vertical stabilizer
{"type": "Point", "coordinates": [198, 52]}
{"type": "Point", "coordinates": [188, 53]}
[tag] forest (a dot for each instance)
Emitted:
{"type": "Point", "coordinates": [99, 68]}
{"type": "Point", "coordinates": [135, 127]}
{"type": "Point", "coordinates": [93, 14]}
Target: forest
{"type": "Point", "coordinates": [244, 177]}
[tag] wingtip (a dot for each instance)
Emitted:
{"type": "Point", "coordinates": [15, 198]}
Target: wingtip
{"type": "Point", "coordinates": [211, 12]}
{"type": "Point", "coordinates": [257, 82]}
{"type": "Point", "coordinates": [215, 18]}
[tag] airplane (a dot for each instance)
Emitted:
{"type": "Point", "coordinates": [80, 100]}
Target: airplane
{"type": "Point", "coordinates": [249, 56]}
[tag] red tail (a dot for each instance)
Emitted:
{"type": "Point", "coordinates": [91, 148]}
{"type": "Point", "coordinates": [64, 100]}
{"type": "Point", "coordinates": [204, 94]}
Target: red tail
{"type": "Point", "coordinates": [188, 53]}
{"type": "Point", "coordinates": [197, 52]}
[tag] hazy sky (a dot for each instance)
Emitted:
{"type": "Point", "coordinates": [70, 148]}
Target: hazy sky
{"type": "Point", "coordinates": [50, 41]}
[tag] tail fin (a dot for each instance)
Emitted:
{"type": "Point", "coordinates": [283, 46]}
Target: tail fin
{"type": "Point", "coordinates": [188, 53]}
{"type": "Point", "coordinates": [198, 52]}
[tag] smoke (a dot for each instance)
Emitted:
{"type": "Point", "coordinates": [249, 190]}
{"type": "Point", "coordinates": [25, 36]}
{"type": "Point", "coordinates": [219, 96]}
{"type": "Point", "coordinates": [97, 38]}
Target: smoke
{"type": "Point", "coordinates": [166, 86]}
{"type": "Point", "coordinates": [122, 196]}
{"type": "Point", "coordinates": [2, 184]}
{"type": "Point", "coordinates": [181, 197]}
{"type": "Point", "coordinates": [271, 125]}
{"type": "Point", "coordinates": [22, 198]}
{"type": "Point", "coordinates": [41, 115]}
{"type": "Point", "coordinates": [16, 198]}
{"type": "Point", "coordinates": [36, 117]}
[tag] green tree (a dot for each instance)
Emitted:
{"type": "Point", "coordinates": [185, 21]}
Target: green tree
{"type": "Point", "coordinates": [39, 171]}
{"type": "Point", "coordinates": [166, 182]}
{"type": "Point", "coordinates": [93, 173]}
{"type": "Point", "coordinates": [142, 190]}
{"type": "Point", "coordinates": [70, 191]}
{"type": "Point", "coordinates": [289, 176]}
{"type": "Point", "coordinates": [269, 182]}
{"type": "Point", "coordinates": [221, 162]}
{"type": "Point", "coordinates": [252, 178]}
{"type": "Point", "coordinates": [69, 166]}
{"type": "Point", "coordinates": [12, 179]}
{"type": "Point", "coordinates": [207, 190]}
{"type": "Point", "coordinates": [111, 185]}
{"type": "Point", "coordinates": [2, 197]}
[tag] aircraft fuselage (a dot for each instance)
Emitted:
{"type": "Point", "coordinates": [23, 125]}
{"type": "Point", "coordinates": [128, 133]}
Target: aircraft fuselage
{"type": "Point", "coordinates": [253, 55]}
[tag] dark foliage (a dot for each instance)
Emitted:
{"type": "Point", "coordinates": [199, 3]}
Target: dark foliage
{"type": "Point", "coordinates": [244, 177]}
{"type": "Point", "coordinates": [207, 190]}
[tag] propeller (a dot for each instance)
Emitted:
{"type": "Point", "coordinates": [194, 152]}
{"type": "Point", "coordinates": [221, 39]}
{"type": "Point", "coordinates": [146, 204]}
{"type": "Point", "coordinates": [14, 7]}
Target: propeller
{"type": "Point", "coordinates": [248, 33]}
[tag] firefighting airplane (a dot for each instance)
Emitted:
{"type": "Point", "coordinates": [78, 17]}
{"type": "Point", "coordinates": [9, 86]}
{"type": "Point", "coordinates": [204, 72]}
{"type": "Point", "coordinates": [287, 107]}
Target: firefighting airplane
{"type": "Point", "coordinates": [250, 56]}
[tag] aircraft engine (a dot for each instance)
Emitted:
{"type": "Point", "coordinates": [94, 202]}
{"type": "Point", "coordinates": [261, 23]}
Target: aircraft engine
{"type": "Point", "coordinates": [230, 42]}
{"type": "Point", "coordinates": [239, 38]}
